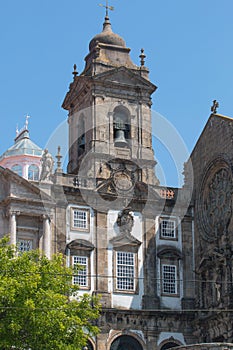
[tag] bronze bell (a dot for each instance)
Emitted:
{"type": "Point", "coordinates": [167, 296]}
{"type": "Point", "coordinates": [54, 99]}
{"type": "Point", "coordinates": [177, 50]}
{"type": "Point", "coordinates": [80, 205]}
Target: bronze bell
{"type": "Point", "coordinates": [120, 140]}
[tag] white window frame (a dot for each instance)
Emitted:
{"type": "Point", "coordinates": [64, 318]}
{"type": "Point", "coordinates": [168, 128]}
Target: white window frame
{"type": "Point", "coordinates": [168, 229]}
{"type": "Point", "coordinates": [80, 219]}
{"type": "Point", "coordinates": [125, 271]}
{"type": "Point", "coordinates": [33, 172]}
{"type": "Point", "coordinates": [81, 277]}
{"type": "Point", "coordinates": [23, 244]}
{"type": "Point", "coordinates": [170, 280]}
{"type": "Point", "coordinates": [17, 169]}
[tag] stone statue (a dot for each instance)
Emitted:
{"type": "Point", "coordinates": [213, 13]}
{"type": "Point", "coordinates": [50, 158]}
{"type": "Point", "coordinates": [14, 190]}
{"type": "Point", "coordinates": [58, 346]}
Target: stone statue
{"type": "Point", "coordinates": [47, 166]}
{"type": "Point", "coordinates": [125, 222]}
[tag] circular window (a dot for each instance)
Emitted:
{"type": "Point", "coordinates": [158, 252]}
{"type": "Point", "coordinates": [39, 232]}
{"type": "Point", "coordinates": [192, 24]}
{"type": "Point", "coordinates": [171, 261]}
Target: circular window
{"type": "Point", "coordinates": [214, 207]}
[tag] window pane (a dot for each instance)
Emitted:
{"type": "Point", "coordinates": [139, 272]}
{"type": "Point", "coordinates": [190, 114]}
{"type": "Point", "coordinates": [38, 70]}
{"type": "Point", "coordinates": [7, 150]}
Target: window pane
{"type": "Point", "coordinates": [24, 245]}
{"type": "Point", "coordinates": [33, 172]}
{"type": "Point", "coordinates": [17, 169]}
{"type": "Point", "coordinates": [167, 228]}
{"type": "Point", "coordinates": [80, 219]}
{"type": "Point", "coordinates": [125, 271]}
{"type": "Point", "coordinates": [81, 277]}
{"type": "Point", "coordinates": [169, 279]}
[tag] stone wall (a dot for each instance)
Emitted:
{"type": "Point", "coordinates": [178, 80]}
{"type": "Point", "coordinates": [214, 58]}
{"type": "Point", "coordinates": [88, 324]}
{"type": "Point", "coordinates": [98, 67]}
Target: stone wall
{"type": "Point", "coordinates": [206, 346]}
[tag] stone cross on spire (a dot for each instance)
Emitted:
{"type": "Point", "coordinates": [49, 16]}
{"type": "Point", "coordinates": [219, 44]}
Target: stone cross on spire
{"type": "Point", "coordinates": [214, 106]}
{"type": "Point", "coordinates": [107, 7]}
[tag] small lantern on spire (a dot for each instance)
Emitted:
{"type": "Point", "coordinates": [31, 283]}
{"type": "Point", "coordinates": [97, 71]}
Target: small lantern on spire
{"type": "Point", "coordinates": [142, 58]}
{"type": "Point", "coordinates": [75, 71]}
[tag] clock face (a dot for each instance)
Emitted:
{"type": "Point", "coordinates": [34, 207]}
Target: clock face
{"type": "Point", "coordinates": [215, 203]}
{"type": "Point", "coordinates": [122, 181]}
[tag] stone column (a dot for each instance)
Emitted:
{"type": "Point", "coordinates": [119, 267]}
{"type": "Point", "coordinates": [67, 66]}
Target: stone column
{"type": "Point", "coordinates": [102, 260]}
{"type": "Point", "coordinates": [12, 226]}
{"type": "Point", "coordinates": [46, 236]}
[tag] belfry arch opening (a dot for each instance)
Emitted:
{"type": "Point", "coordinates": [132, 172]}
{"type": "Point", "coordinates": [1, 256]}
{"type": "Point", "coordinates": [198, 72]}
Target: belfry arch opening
{"type": "Point", "coordinates": [121, 127]}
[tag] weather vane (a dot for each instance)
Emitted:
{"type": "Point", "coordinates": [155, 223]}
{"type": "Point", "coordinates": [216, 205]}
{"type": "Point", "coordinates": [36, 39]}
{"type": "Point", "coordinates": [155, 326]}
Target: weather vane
{"type": "Point", "coordinates": [107, 7]}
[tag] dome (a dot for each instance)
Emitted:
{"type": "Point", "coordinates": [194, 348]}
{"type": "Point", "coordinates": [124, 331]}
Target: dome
{"type": "Point", "coordinates": [23, 146]}
{"type": "Point", "coordinates": [24, 157]}
{"type": "Point", "coordinates": [107, 37]}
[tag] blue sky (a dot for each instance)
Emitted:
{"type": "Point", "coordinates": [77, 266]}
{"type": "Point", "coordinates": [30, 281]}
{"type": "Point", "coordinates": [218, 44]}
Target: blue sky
{"type": "Point", "coordinates": [188, 44]}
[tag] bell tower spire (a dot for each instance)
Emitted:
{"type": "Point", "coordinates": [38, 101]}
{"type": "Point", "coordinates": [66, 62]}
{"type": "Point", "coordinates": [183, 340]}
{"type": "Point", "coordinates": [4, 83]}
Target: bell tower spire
{"type": "Point", "coordinates": [109, 111]}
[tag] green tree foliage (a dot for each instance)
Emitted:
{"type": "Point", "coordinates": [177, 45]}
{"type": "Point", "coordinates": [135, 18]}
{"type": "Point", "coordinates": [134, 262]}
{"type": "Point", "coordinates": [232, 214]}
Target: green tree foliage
{"type": "Point", "coordinates": [40, 308]}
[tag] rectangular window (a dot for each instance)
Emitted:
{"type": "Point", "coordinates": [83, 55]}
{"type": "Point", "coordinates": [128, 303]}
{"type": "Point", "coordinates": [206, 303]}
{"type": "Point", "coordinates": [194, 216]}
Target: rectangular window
{"type": "Point", "coordinates": [169, 279]}
{"type": "Point", "coordinates": [24, 245]}
{"type": "Point", "coordinates": [167, 228]}
{"type": "Point", "coordinates": [80, 219]}
{"type": "Point", "coordinates": [81, 278]}
{"type": "Point", "coordinates": [125, 271]}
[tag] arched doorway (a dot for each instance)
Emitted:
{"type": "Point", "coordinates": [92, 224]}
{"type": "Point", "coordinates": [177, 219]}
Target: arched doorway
{"type": "Point", "coordinates": [169, 345]}
{"type": "Point", "coordinates": [126, 342]}
{"type": "Point", "coordinates": [88, 346]}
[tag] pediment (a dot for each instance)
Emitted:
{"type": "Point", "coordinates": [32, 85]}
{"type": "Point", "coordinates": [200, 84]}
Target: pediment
{"type": "Point", "coordinates": [14, 186]}
{"type": "Point", "coordinates": [80, 244]}
{"type": "Point", "coordinates": [125, 241]}
{"type": "Point", "coordinates": [125, 76]}
{"type": "Point", "coordinates": [169, 252]}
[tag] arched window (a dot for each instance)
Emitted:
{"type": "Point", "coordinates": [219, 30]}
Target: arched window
{"type": "Point", "coordinates": [126, 342]}
{"type": "Point", "coordinates": [121, 127]}
{"type": "Point", "coordinates": [33, 172]}
{"type": "Point", "coordinates": [17, 169]}
{"type": "Point", "coordinates": [81, 136]}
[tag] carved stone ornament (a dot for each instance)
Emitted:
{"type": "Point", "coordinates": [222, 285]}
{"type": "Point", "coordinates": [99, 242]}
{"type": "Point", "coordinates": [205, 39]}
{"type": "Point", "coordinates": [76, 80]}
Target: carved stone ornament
{"type": "Point", "coordinates": [215, 203]}
{"type": "Point", "coordinates": [125, 222]}
{"type": "Point", "coordinates": [122, 181]}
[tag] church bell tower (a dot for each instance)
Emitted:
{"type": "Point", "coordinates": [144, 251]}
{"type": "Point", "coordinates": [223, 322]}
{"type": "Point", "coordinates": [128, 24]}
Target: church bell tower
{"type": "Point", "coordinates": [109, 107]}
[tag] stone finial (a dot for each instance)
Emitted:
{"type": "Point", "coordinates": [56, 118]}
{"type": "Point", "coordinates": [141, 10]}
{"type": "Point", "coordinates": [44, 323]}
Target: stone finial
{"type": "Point", "coordinates": [75, 71]}
{"type": "Point", "coordinates": [214, 107]}
{"type": "Point", "coordinates": [59, 157]}
{"type": "Point", "coordinates": [142, 58]}
{"type": "Point", "coordinates": [26, 121]}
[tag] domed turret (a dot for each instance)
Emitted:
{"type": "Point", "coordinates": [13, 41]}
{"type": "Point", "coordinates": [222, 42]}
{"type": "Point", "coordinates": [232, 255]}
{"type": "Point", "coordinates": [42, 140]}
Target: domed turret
{"type": "Point", "coordinates": [106, 37]}
{"type": "Point", "coordinates": [107, 50]}
{"type": "Point", "coordinates": [24, 157]}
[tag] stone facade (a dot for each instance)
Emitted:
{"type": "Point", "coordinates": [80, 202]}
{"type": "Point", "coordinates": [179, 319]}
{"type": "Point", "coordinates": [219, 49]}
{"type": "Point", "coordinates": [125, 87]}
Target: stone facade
{"type": "Point", "coordinates": [160, 258]}
{"type": "Point", "coordinates": [207, 346]}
